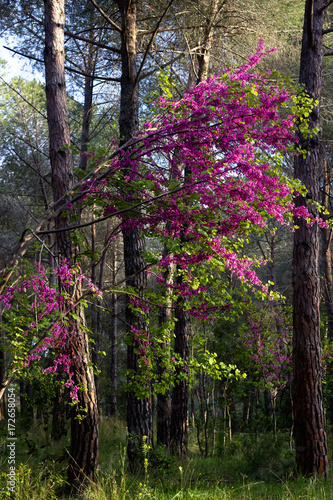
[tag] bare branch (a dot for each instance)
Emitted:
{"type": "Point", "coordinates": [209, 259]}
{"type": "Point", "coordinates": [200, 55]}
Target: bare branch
{"type": "Point", "coordinates": [325, 6]}
{"type": "Point", "coordinates": [91, 42]}
{"type": "Point", "coordinates": [151, 41]}
{"type": "Point", "coordinates": [168, 63]}
{"type": "Point", "coordinates": [101, 11]}
{"type": "Point", "coordinates": [82, 73]}
{"type": "Point", "coordinates": [23, 98]}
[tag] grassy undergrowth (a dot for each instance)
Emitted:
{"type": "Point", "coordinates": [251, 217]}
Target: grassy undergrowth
{"type": "Point", "coordinates": [248, 468]}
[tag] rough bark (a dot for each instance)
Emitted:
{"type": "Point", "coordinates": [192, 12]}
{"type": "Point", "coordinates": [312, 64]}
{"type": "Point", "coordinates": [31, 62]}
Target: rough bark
{"type": "Point", "coordinates": [84, 447]}
{"type": "Point", "coordinates": [205, 49]}
{"type": "Point", "coordinates": [114, 344]}
{"type": "Point", "coordinates": [327, 280]}
{"type": "Point", "coordinates": [84, 433]}
{"type": "Point", "coordinates": [309, 419]}
{"type": "Point", "coordinates": [163, 402]}
{"type": "Point", "coordinates": [180, 393]}
{"type": "Point", "coordinates": [326, 253]}
{"type": "Point", "coordinates": [139, 411]}
{"type": "Point", "coordinates": [87, 108]}
{"type": "Point", "coordinates": [57, 115]}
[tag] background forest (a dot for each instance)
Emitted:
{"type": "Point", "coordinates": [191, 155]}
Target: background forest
{"type": "Point", "coordinates": [166, 283]}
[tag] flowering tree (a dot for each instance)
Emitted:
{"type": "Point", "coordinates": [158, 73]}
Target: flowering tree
{"type": "Point", "coordinates": [199, 177]}
{"type": "Point", "coordinates": [39, 320]}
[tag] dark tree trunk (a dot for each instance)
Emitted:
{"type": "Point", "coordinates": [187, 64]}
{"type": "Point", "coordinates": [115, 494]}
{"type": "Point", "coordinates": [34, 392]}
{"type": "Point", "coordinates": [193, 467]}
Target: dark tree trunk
{"type": "Point", "coordinates": [180, 391]}
{"type": "Point", "coordinates": [58, 414]}
{"type": "Point", "coordinates": [27, 413]}
{"type": "Point", "coordinates": [163, 403]}
{"type": "Point", "coordinates": [96, 326]}
{"type": "Point", "coordinates": [113, 358]}
{"type": "Point", "coordinates": [309, 419]}
{"type": "Point", "coordinates": [57, 116]}
{"type": "Point", "coordinates": [84, 433]}
{"type": "Point", "coordinates": [139, 411]}
{"type": "Point", "coordinates": [129, 102]}
{"type": "Point", "coordinates": [114, 343]}
{"type": "Point", "coordinates": [326, 237]}
{"type": "Point", "coordinates": [87, 109]}
{"type": "Point", "coordinates": [84, 447]}
{"type": "Point", "coordinates": [326, 254]}
{"type": "Point", "coordinates": [2, 371]}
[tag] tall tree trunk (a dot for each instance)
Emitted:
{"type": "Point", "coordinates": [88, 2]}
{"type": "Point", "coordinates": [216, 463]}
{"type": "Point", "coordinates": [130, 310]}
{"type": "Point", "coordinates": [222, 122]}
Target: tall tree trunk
{"type": "Point", "coordinates": [2, 368]}
{"type": "Point", "coordinates": [114, 344]}
{"type": "Point", "coordinates": [180, 393]}
{"type": "Point", "coordinates": [96, 326]}
{"type": "Point", "coordinates": [27, 413]}
{"type": "Point", "coordinates": [84, 433]}
{"type": "Point", "coordinates": [204, 52]}
{"type": "Point", "coordinates": [58, 412]}
{"type": "Point", "coordinates": [163, 403]}
{"type": "Point", "coordinates": [326, 238]}
{"type": "Point", "coordinates": [309, 419]}
{"type": "Point", "coordinates": [326, 254]}
{"type": "Point", "coordinates": [87, 106]}
{"type": "Point", "coordinates": [139, 411]}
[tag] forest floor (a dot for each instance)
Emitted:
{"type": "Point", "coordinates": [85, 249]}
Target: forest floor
{"type": "Point", "coordinates": [247, 468]}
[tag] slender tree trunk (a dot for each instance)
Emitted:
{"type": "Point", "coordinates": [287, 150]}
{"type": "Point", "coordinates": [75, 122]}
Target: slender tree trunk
{"type": "Point", "coordinates": [326, 237]}
{"type": "Point", "coordinates": [87, 108]}
{"type": "Point", "coordinates": [2, 368]}
{"type": "Point", "coordinates": [58, 413]}
{"type": "Point", "coordinates": [95, 316]}
{"type": "Point", "coordinates": [309, 419]}
{"type": "Point", "coordinates": [205, 49]}
{"type": "Point", "coordinates": [180, 393]}
{"type": "Point", "coordinates": [84, 433]}
{"type": "Point", "coordinates": [139, 411]}
{"type": "Point", "coordinates": [114, 344]}
{"type": "Point", "coordinates": [163, 404]}
{"type": "Point", "coordinates": [326, 254]}
{"type": "Point", "coordinates": [27, 414]}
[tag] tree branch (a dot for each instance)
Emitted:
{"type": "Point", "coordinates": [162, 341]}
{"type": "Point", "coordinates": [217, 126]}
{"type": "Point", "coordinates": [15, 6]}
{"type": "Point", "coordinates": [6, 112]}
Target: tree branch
{"type": "Point", "coordinates": [325, 7]}
{"type": "Point", "coordinates": [124, 210]}
{"type": "Point", "coordinates": [82, 73]}
{"type": "Point", "coordinates": [101, 11]}
{"type": "Point", "coordinates": [23, 98]}
{"type": "Point", "coordinates": [151, 41]}
{"type": "Point", "coordinates": [98, 44]}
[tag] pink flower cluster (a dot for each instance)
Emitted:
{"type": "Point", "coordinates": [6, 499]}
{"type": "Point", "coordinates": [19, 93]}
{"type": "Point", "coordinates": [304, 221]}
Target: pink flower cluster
{"type": "Point", "coordinates": [208, 165]}
{"type": "Point", "coordinates": [47, 302]}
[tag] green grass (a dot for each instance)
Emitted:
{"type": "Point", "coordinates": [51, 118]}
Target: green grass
{"type": "Point", "coordinates": [245, 468]}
